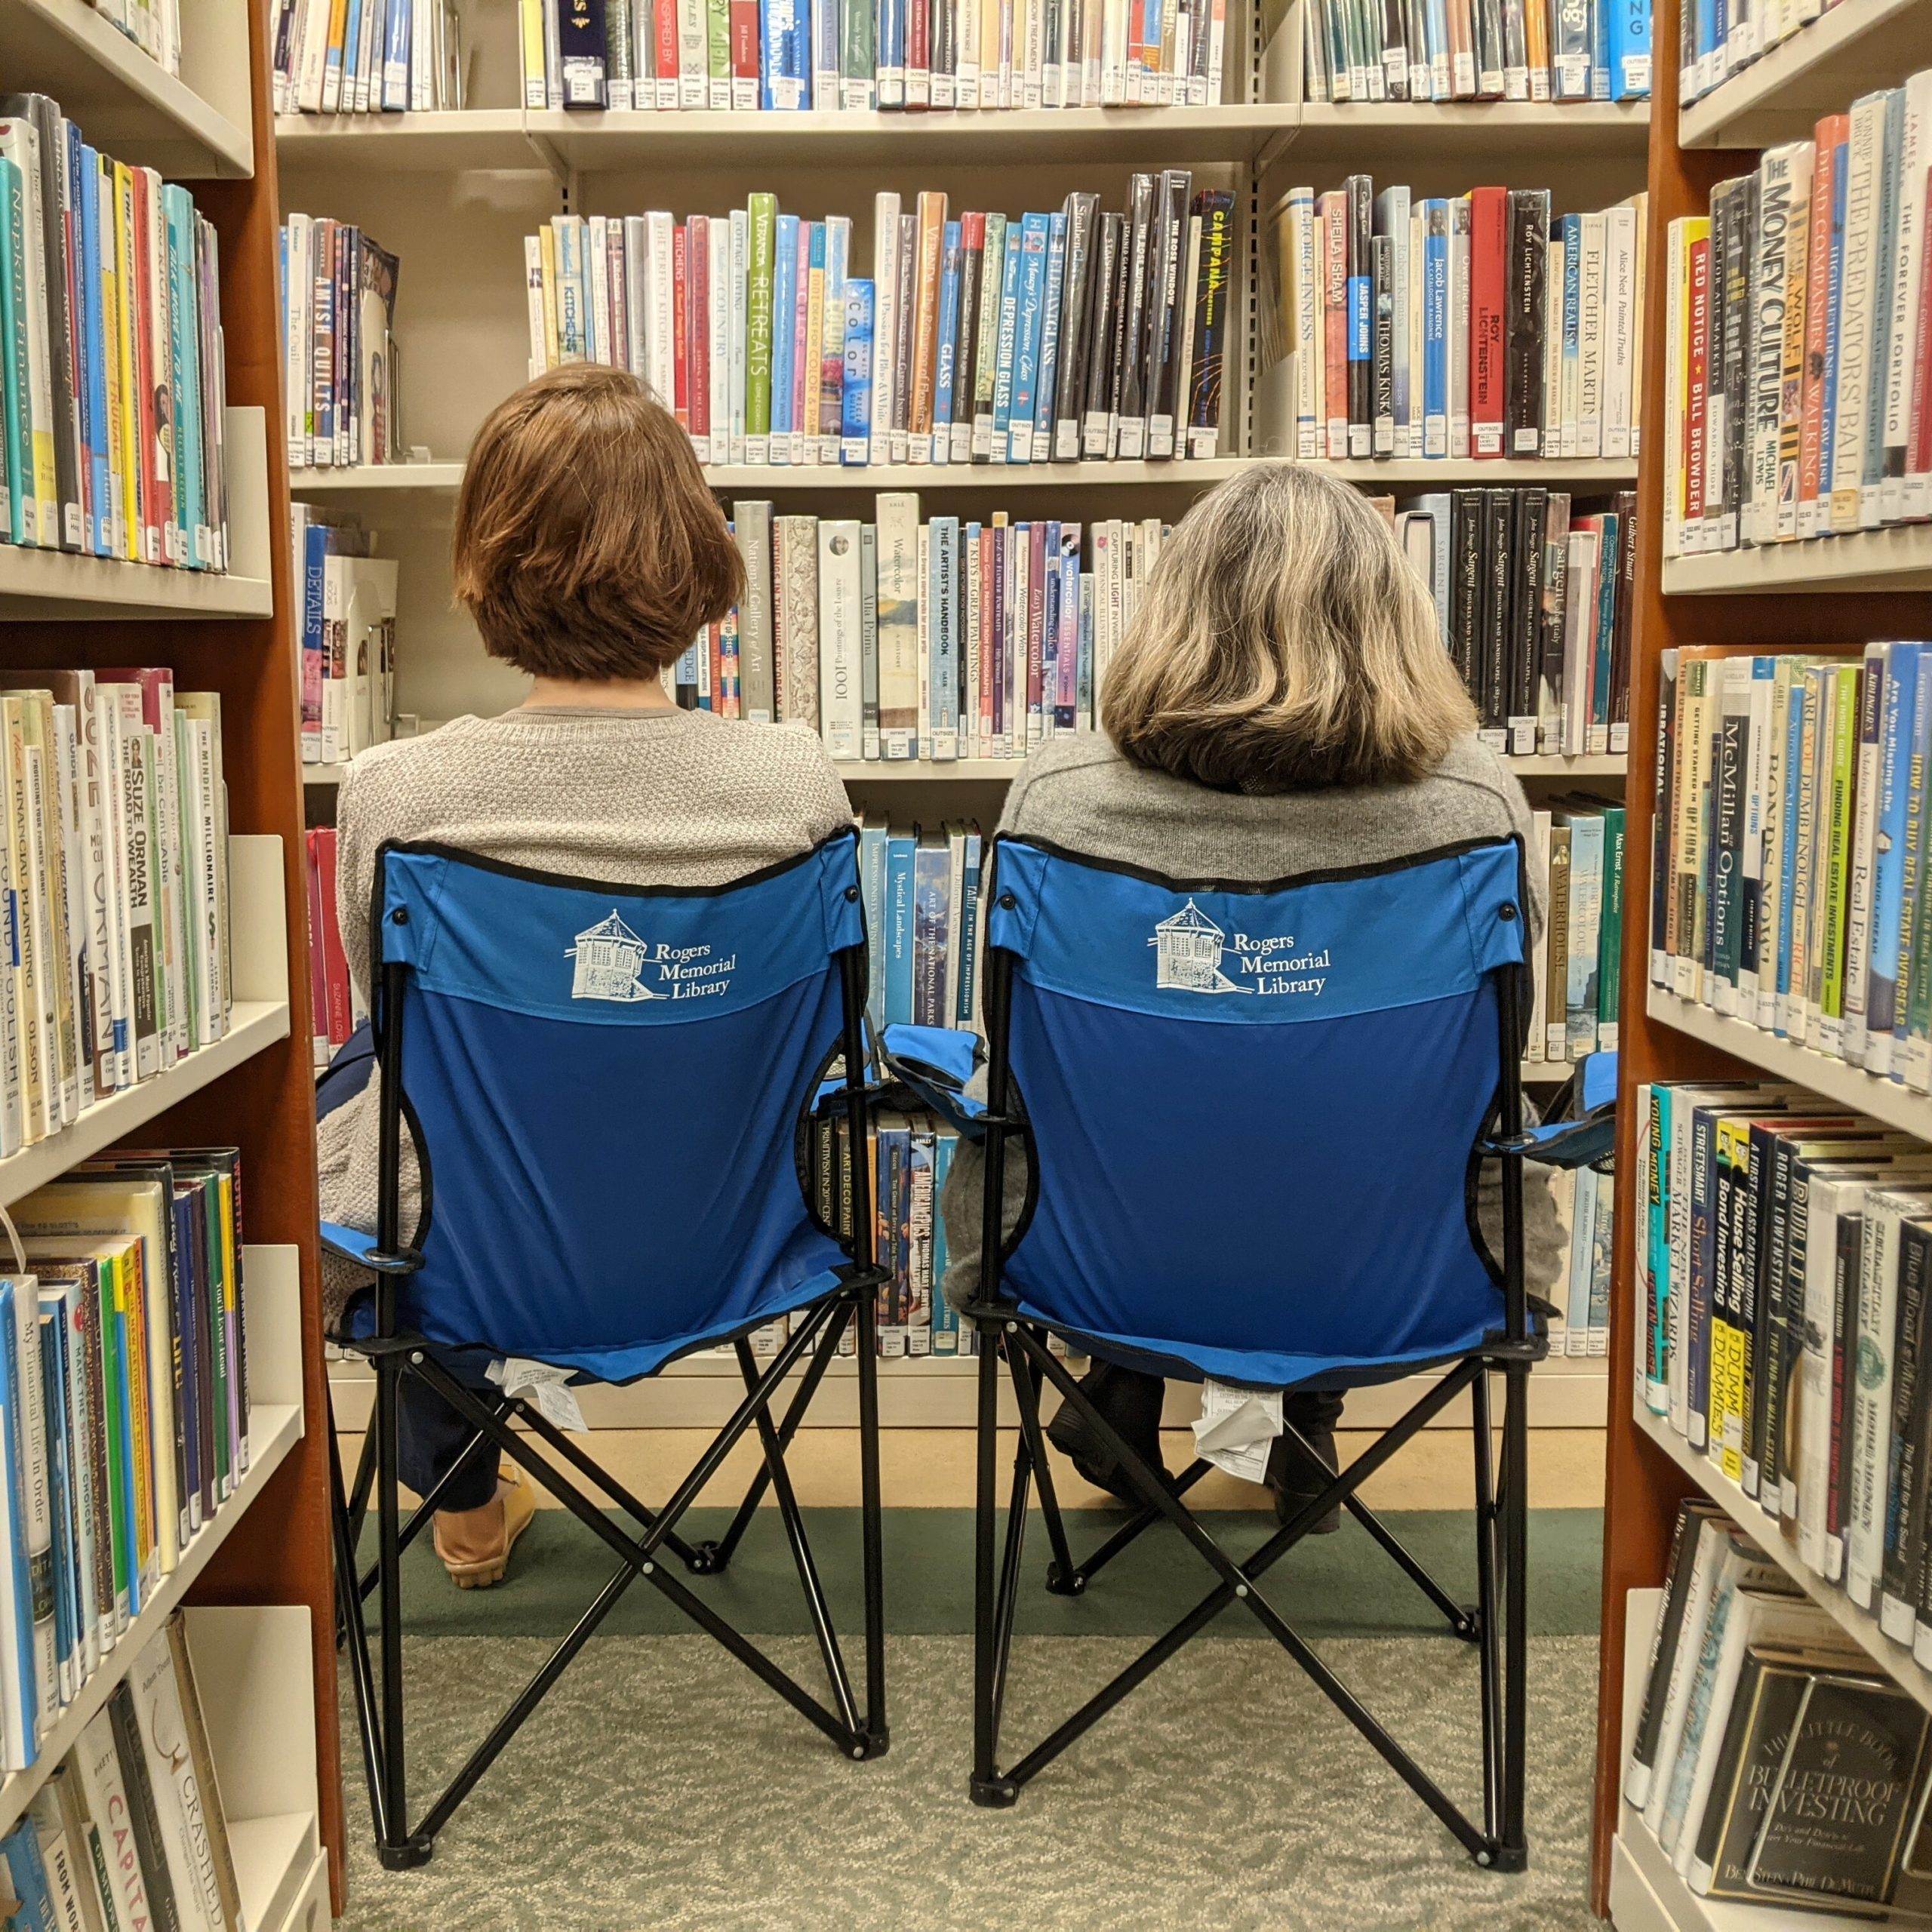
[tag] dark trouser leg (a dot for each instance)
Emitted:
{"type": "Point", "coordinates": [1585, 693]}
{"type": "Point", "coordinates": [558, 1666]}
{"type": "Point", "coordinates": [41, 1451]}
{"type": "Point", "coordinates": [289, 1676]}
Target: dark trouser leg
{"type": "Point", "coordinates": [432, 1438]}
{"type": "Point", "coordinates": [1316, 1413]}
{"type": "Point", "coordinates": [1131, 1401]}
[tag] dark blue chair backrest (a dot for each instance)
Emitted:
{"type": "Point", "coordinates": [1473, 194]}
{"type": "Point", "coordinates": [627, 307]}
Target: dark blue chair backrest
{"type": "Point", "coordinates": [606, 1082]}
{"type": "Point", "coordinates": [1252, 1108]}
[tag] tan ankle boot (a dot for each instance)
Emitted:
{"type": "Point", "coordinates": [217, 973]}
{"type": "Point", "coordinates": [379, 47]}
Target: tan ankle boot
{"type": "Point", "coordinates": [476, 1544]}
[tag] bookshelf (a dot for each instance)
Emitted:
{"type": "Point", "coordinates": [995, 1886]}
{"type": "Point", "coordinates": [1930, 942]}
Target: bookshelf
{"type": "Point", "coordinates": [256, 1579]}
{"type": "Point", "coordinates": [1795, 597]}
{"type": "Point", "coordinates": [411, 180]}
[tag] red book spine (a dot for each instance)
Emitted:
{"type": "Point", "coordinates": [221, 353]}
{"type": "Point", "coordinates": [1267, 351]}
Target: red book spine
{"type": "Point", "coordinates": [1696, 387]}
{"type": "Point", "coordinates": [919, 59]}
{"type": "Point", "coordinates": [1832, 132]}
{"type": "Point", "coordinates": [1335, 322]}
{"type": "Point", "coordinates": [667, 55]}
{"type": "Point", "coordinates": [715, 643]}
{"type": "Point", "coordinates": [335, 960]}
{"type": "Point", "coordinates": [744, 55]}
{"type": "Point", "coordinates": [1489, 212]}
{"type": "Point", "coordinates": [680, 354]}
{"type": "Point", "coordinates": [1918, 431]}
{"type": "Point", "coordinates": [318, 984]}
{"type": "Point", "coordinates": [697, 270]}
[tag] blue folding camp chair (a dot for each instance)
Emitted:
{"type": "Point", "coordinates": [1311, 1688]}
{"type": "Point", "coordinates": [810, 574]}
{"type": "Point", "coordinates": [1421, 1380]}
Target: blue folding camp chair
{"type": "Point", "coordinates": [617, 1097]}
{"type": "Point", "coordinates": [1253, 1115]}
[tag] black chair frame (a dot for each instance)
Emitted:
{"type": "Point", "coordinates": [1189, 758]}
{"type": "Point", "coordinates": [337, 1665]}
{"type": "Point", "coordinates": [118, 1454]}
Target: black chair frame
{"type": "Point", "coordinates": [1496, 1624]}
{"type": "Point", "coordinates": [854, 1721]}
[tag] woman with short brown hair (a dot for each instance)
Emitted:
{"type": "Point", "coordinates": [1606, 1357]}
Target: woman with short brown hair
{"type": "Point", "coordinates": [590, 553]}
{"type": "Point", "coordinates": [1281, 704]}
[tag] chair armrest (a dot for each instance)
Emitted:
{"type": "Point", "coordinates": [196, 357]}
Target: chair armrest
{"type": "Point", "coordinates": [353, 1245]}
{"type": "Point", "coordinates": [1563, 1144]}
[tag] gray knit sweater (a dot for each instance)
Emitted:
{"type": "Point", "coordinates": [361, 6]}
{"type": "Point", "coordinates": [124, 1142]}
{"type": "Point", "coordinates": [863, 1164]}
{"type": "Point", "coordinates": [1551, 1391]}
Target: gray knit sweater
{"type": "Point", "coordinates": [677, 797]}
{"type": "Point", "coordinates": [1080, 793]}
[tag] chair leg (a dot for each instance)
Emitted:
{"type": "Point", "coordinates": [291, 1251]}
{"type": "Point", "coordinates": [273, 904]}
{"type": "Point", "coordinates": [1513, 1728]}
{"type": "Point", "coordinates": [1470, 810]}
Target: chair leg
{"type": "Point", "coordinates": [352, 1634]}
{"type": "Point", "coordinates": [398, 1851]}
{"type": "Point", "coordinates": [987, 1787]}
{"type": "Point", "coordinates": [1489, 1623]}
{"type": "Point", "coordinates": [878, 1732]}
{"type": "Point", "coordinates": [1063, 1576]}
{"type": "Point", "coordinates": [1013, 1557]}
{"type": "Point", "coordinates": [1512, 1852]}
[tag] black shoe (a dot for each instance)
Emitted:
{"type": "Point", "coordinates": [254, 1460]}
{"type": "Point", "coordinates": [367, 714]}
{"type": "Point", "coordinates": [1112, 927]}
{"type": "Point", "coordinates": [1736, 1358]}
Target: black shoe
{"type": "Point", "coordinates": [1295, 1482]}
{"type": "Point", "coordinates": [1131, 1402]}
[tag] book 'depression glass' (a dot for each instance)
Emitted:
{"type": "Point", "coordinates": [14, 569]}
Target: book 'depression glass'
{"type": "Point", "coordinates": [569, 1045]}
{"type": "Point", "coordinates": [1252, 1109]}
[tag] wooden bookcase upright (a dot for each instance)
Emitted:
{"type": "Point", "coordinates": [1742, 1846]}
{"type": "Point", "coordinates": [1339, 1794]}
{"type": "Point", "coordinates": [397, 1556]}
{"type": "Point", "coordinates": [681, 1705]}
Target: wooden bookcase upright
{"type": "Point", "coordinates": [262, 1614]}
{"type": "Point", "coordinates": [1724, 601]}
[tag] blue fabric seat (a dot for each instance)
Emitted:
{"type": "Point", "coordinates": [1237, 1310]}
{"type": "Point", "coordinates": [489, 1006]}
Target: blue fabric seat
{"type": "Point", "coordinates": [608, 1089]}
{"type": "Point", "coordinates": [1253, 1116]}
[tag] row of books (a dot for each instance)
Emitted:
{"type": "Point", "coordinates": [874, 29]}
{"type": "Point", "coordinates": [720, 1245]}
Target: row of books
{"type": "Point", "coordinates": [1774, 1762]}
{"type": "Point", "coordinates": [333, 1006]}
{"type": "Point", "coordinates": [340, 359]}
{"type": "Point", "coordinates": [1476, 49]}
{"type": "Point", "coordinates": [907, 637]}
{"type": "Point", "coordinates": [1052, 336]}
{"type": "Point", "coordinates": [792, 55]}
{"type": "Point", "coordinates": [345, 636]}
{"type": "Point", "coordinates": [1586, 1200]}
{"type": "Point", "coordinates": [153, 26]}
{"type": "Point", "coordinates": [1577, 843]}
{"type": "Point", "coordinates": [1476, 326]}
{"type": "Point", "coordinates": [114, 872]}
{"type": "Point", "coordinates": [1791, 847]}
{"type": "Point", "coordinates": [127, 1392]}
{"type": "Point", "coordinates": [1798, 348]}
{"type": "Point", "coordinates": [111, 382]}
{"type": "Point", "coordinates": [1534, 594]}
{"type": "Point", "coordinates": [367, 56]}
{"type": "Point", "coordinates": [1781, 1250]}
{"type": "Point", "coordinates": [129, 1831]}
{"type": "Point", "coordinates": [1717, 38]}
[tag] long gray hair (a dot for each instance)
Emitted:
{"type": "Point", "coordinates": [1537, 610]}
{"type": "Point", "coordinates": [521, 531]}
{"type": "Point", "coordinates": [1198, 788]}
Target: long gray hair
{"type": "Point", "coordinates": [1284, 642]}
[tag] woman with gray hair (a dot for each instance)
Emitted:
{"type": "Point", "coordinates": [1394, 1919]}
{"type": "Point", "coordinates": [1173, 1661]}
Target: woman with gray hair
{"type": "Point", "coordinates": [1281, 704]}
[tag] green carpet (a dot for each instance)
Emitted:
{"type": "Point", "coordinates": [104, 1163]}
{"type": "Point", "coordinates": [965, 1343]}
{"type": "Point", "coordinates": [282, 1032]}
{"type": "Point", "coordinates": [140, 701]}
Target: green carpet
{"type": "Point", "coordinates": [1340, 1585]}
{"type": "Point", "coordinates": [661, 1787]}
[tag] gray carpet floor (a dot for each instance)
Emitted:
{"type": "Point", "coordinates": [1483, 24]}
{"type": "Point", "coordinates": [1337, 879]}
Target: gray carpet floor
{"type": "Point", "coordinates": [660, 1786]}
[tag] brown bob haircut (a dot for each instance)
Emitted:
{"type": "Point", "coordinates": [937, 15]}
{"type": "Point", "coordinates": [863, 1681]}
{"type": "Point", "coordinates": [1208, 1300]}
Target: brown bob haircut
{"type": "Point", "coordinates": [586, 545]}
{"type": "Point", "coordinates": [1284, 643]}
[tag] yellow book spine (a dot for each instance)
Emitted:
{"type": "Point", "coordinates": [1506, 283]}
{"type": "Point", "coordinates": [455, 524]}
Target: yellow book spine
{"type": "Point", "coordinates": [547, 240]}
{"type": "Point", "coordinates": [133, 516]}
{"type": "Point", "coordinates": [536, 83]}
{"type": "Point", "coordinates": [131, 1304]}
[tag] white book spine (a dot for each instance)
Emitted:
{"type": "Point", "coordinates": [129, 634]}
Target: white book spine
{"type": "Point", "coordinates": [1906, 356]}
{"type": "Point", "coordinates": [1846, 454]}
{"type": "Point", "coordinates": [1620, 324]}
{"type": "Point", "coordinates": [1590, 340]}
{"type": "Point", "coordinates": [660, 293]}
{"type": "Point", "coordinates": [885, 315]}
{"type": "Point", "coordinates": [1459, 329]}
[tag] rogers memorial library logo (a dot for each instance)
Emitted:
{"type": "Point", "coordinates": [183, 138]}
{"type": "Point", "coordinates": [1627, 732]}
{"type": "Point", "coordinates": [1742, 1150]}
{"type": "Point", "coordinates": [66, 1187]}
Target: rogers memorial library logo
{"type": "Point", "coordinates": [1189, 949]}
{"type": "Point", "coordinates": [613, 962]}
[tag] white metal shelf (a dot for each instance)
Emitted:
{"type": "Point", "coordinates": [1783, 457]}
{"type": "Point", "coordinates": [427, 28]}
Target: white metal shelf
{"type": "Point", "coordinates": [62, 586]}
{"type": "Point", "coordinates": [1395, 132]}
{"type": "Point", "coordinates": [1852, 47]}
{"type": "Point", "coordinates": [131, 106]}
{"type": "Point", "coordinates": [273, 1431]}
{"type": "Point", "coordinates": [1886, 1100]}
{"type": "Point", "coordinates": [258, 1024]}
{"type": "Point", "coordinates": [1895, 1659]}
{"type": "Point", "coordinates": [1900, 558]}
{"type": "Point", "coordinates": [485, 139]}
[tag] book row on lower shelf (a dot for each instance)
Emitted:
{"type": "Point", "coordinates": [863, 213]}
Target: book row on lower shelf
{"type": "Point", "coordinates": [126, 1389]}
{"type": "Point", "coordinates": [114, 871]}
{"type": "Point", "coordinates": [342, 371]}
{"type": "Point", "coordinates": [1798, 348]}
{"type": "Point", "coordinates": [129, 1831]}
{"type": "Point", "coordinates": [975, 339]}
{"type": "Point", "coordinates": [1782, 1249]}
{"type": "Point", "coordinates": [1716, 42]}
{"type": "Point", "coordinates": [1480, 325]}
{"type": "Point", "coordinates": [1773, 1761]}
{"type": "Point", "coordinates": [113, 387]}
{"type": "Point", "coordinates": [1476, 49]}
{"type": "Point", "coordinates": [793, 55]}
{"type": "Point", "coordinates": [345, 636]}
{"type": "Point", "coordinates": [946, 638]}
{"type": "Point", "coordinates": [1791, 848]}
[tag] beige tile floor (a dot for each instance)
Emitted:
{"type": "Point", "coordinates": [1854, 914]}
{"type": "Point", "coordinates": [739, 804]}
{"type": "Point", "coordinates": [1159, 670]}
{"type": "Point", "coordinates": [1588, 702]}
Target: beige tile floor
{"type": "Point", "coordinates": [932, 1469]}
